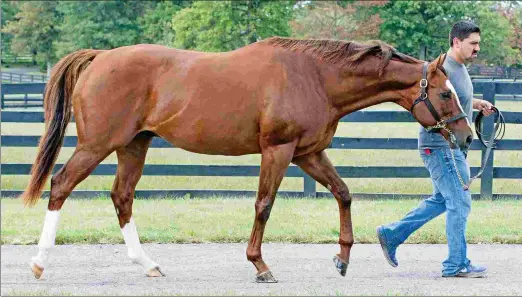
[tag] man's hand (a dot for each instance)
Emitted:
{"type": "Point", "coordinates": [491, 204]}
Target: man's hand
{"type": "Point", "coordinates": [484, 106]}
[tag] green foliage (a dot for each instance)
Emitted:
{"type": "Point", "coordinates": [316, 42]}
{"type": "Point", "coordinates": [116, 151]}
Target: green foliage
{"type": "Point", "coordinates": [495, 35]}
{"type": "Point", "coordinates": [156, 23]}
{"type": "Point", "coordinates": [99, 24]}
{"type": "Point", "coordinates": [334, 20]}
{"type": "Point", "coordinates": [34, 29]}
{"type": "Point", "coordinates": [227, 25]}
{"type": "Point", "coordinates": [409, 24]}
{"type": "Point", "coordinates": [9, 10]}
{"type": "Point", "coordinates": [51, 29]}
{"type": "Point", "coordinates": [513, 13]}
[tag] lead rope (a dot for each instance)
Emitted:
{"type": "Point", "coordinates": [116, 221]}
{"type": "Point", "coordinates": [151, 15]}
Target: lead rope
{"type": "Point", "coordinates": [499, 131]}
{"type": "Point", "coordinates": [454, 141]}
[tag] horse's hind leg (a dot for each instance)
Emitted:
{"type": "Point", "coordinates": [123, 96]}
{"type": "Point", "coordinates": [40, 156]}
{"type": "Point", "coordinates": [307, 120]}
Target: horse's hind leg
{"type": "Point", "coordinates": [131, 160]}
{"type": "Point", "coordinates": [318, 166]}
{"type": "Point", "coordinates": [77, 168]}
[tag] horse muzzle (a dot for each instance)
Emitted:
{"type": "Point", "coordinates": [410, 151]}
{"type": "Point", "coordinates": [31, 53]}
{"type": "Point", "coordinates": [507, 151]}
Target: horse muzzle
{"type": "Point", "coordinates": [461, 140]}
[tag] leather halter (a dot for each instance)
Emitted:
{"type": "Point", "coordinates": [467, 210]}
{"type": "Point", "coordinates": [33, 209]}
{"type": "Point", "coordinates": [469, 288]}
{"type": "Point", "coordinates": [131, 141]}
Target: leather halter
{"type": "Point", "coordinates": [424, 98]}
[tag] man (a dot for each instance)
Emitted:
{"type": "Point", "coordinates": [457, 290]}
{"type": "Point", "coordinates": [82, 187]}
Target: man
{"type": "Point", "coordinates": [448, 193]}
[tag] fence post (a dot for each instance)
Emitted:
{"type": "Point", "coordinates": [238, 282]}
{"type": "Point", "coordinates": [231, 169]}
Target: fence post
{"type": "Point", "coordinates": [309, 186]}
{"type": "Point", "coordinates": [486, 180]}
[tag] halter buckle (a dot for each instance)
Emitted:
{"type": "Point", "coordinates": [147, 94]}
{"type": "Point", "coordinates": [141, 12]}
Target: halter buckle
{"type": "Point", "coordinates": [423, 83]}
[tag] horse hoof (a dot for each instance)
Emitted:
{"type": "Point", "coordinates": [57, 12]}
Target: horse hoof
{"type": "Point", "coordinates": [340, 265]}
{"type": "Point", "coordinates": [155, 272]}
{"type": "Point", "coordinates": [37, 270]}
{"type": "Point", "coordinates": [265, 277]}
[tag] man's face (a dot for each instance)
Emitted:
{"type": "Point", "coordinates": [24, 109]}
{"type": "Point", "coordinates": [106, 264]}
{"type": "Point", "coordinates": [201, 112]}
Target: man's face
{"type": "Point", "coordinates": [469, 47]}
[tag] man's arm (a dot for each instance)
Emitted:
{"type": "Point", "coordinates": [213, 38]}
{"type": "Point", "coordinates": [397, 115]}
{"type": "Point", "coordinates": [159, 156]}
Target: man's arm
{"type": "Point", "coordinates": [484, 106]}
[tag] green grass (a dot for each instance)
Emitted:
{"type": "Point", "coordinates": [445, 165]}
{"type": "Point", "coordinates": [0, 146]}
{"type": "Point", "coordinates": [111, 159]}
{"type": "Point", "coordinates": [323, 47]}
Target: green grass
{"type": "Point", "coordinates": [230, 220]}
{"type": "Point", "coordinates": [338, 157]}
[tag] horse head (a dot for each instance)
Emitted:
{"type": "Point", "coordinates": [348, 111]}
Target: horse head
{"type": "Point", "coordinates": [441, 111]}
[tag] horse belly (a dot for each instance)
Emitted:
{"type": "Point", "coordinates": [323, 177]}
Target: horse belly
{"type": "Point", "coordinates": [212, 138]}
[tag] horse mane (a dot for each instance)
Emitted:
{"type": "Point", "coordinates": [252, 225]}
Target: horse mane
{"type": "Point", "coordinates": [343, 53]}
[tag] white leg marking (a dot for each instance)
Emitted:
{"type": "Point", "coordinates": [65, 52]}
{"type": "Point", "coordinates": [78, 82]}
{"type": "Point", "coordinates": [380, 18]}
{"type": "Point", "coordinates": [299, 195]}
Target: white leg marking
{"type": "Point", "coordinates": [135, 252]}
{"type": "Point", "coordinates": [47, 238]}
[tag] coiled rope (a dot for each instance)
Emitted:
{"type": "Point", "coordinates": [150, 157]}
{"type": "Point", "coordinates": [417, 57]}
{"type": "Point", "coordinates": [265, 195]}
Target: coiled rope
{"type": "Point", "coordinates": [492, 140]}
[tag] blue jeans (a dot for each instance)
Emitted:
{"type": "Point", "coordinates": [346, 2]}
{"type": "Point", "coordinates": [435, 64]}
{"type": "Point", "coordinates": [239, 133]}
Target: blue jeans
{"type": "Point", "coordinates": [448, 195]}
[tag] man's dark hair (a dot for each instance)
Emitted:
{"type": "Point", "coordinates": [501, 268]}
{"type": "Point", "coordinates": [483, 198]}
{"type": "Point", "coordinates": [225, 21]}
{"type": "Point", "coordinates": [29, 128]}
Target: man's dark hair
{"type": "Point", "coordinates": [462, 30]}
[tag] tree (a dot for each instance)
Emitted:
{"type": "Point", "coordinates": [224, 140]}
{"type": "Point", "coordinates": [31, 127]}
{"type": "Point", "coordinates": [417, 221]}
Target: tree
{"type": "Point", "coordinates": [9, 10]}
{"type": "Point", "coordinates": [517, 28]}
{"type": "Point", "coordinates": [334, 20]}
{"type": "Point", "coordinates": [99, 24]}
{"type": "Point", "coordinates": [34, 30]}
{"type": "Point", "coordinates": [227, 25]}
{"type": "Point", "coordinates": [156, 23]}
{"type": "Point", "coordinates": [512, 11]}
{"type": "Point", "coordinates": [409, 25]}
{"type": "Point", "coordinates": [496, 34]}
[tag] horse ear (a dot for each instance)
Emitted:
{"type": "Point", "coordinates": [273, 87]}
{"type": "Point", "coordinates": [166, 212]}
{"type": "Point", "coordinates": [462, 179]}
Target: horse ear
{"type": "Point", "coordinates": [443, 58]}
{"type": "Point", "coordinates": [437, 63]}
{"type": "Point", "coordinates": [440, 60]}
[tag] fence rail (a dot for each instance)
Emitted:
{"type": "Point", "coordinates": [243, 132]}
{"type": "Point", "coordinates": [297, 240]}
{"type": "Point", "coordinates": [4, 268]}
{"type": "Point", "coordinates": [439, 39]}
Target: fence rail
{"type": "Point", "coordinates": [22, 95]}
{"type": "Point", "coordinates": [23, 58]}
{"type": "Point", "coordinates": [23, 78]}
{"type": "Point", "coordinates": [479, 70]}
{"type": "Point", "coordinates": [31, 94]}
{"type": "Point", "coordinates": [488, 89]}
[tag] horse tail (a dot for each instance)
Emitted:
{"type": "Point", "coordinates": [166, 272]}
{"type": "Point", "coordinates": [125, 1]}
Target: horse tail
{"type": "Point", "coordinates": [57, 107]}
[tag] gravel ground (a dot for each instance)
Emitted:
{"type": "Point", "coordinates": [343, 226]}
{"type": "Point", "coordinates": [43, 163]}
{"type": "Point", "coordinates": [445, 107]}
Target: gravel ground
{"type": "Point", "coordinates": [222, 269]}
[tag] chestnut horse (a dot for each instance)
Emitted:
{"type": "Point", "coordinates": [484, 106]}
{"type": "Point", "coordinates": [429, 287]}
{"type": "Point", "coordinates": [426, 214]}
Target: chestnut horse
{"type": "Point", "coordinates": [279, 97]}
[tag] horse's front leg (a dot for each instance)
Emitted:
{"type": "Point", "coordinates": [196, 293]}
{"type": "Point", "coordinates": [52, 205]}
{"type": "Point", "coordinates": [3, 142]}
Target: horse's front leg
{"type": "Point", "coordinates": [274, 162]}
{"type": "Point", "coordinates": [318, 166]}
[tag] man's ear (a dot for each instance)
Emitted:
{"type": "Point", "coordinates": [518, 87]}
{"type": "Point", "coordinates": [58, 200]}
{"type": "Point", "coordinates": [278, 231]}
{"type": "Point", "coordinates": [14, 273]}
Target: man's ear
{"type": "Point", "coordinates": [456, 41]}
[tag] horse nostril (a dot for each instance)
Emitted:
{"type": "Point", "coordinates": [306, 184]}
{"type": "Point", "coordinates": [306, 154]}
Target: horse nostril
{"type": "Point", "coordinates": [469, 139]}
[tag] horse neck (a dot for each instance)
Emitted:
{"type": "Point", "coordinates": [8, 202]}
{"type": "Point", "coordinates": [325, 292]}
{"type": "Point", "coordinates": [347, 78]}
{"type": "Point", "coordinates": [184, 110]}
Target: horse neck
{"type": "Point", "coordinates": [350, 90]}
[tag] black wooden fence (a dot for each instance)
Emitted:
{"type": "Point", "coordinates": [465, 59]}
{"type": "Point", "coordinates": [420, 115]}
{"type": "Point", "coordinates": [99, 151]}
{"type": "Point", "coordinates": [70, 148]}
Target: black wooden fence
{"type": "Point", "coordinates": [488, 89]}
{"type": "Point", "coordinates": [22, 95]}
{"type": "Point", "coordinates": [30, 94]}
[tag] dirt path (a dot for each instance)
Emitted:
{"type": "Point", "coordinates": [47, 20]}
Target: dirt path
{"type": "Point", "coordinates": [222, 269]}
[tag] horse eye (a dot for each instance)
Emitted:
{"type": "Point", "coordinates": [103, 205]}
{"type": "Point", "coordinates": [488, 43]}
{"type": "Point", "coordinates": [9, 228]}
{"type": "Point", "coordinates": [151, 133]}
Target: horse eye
{"type": "Point", "coordinates": [445, 95]}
